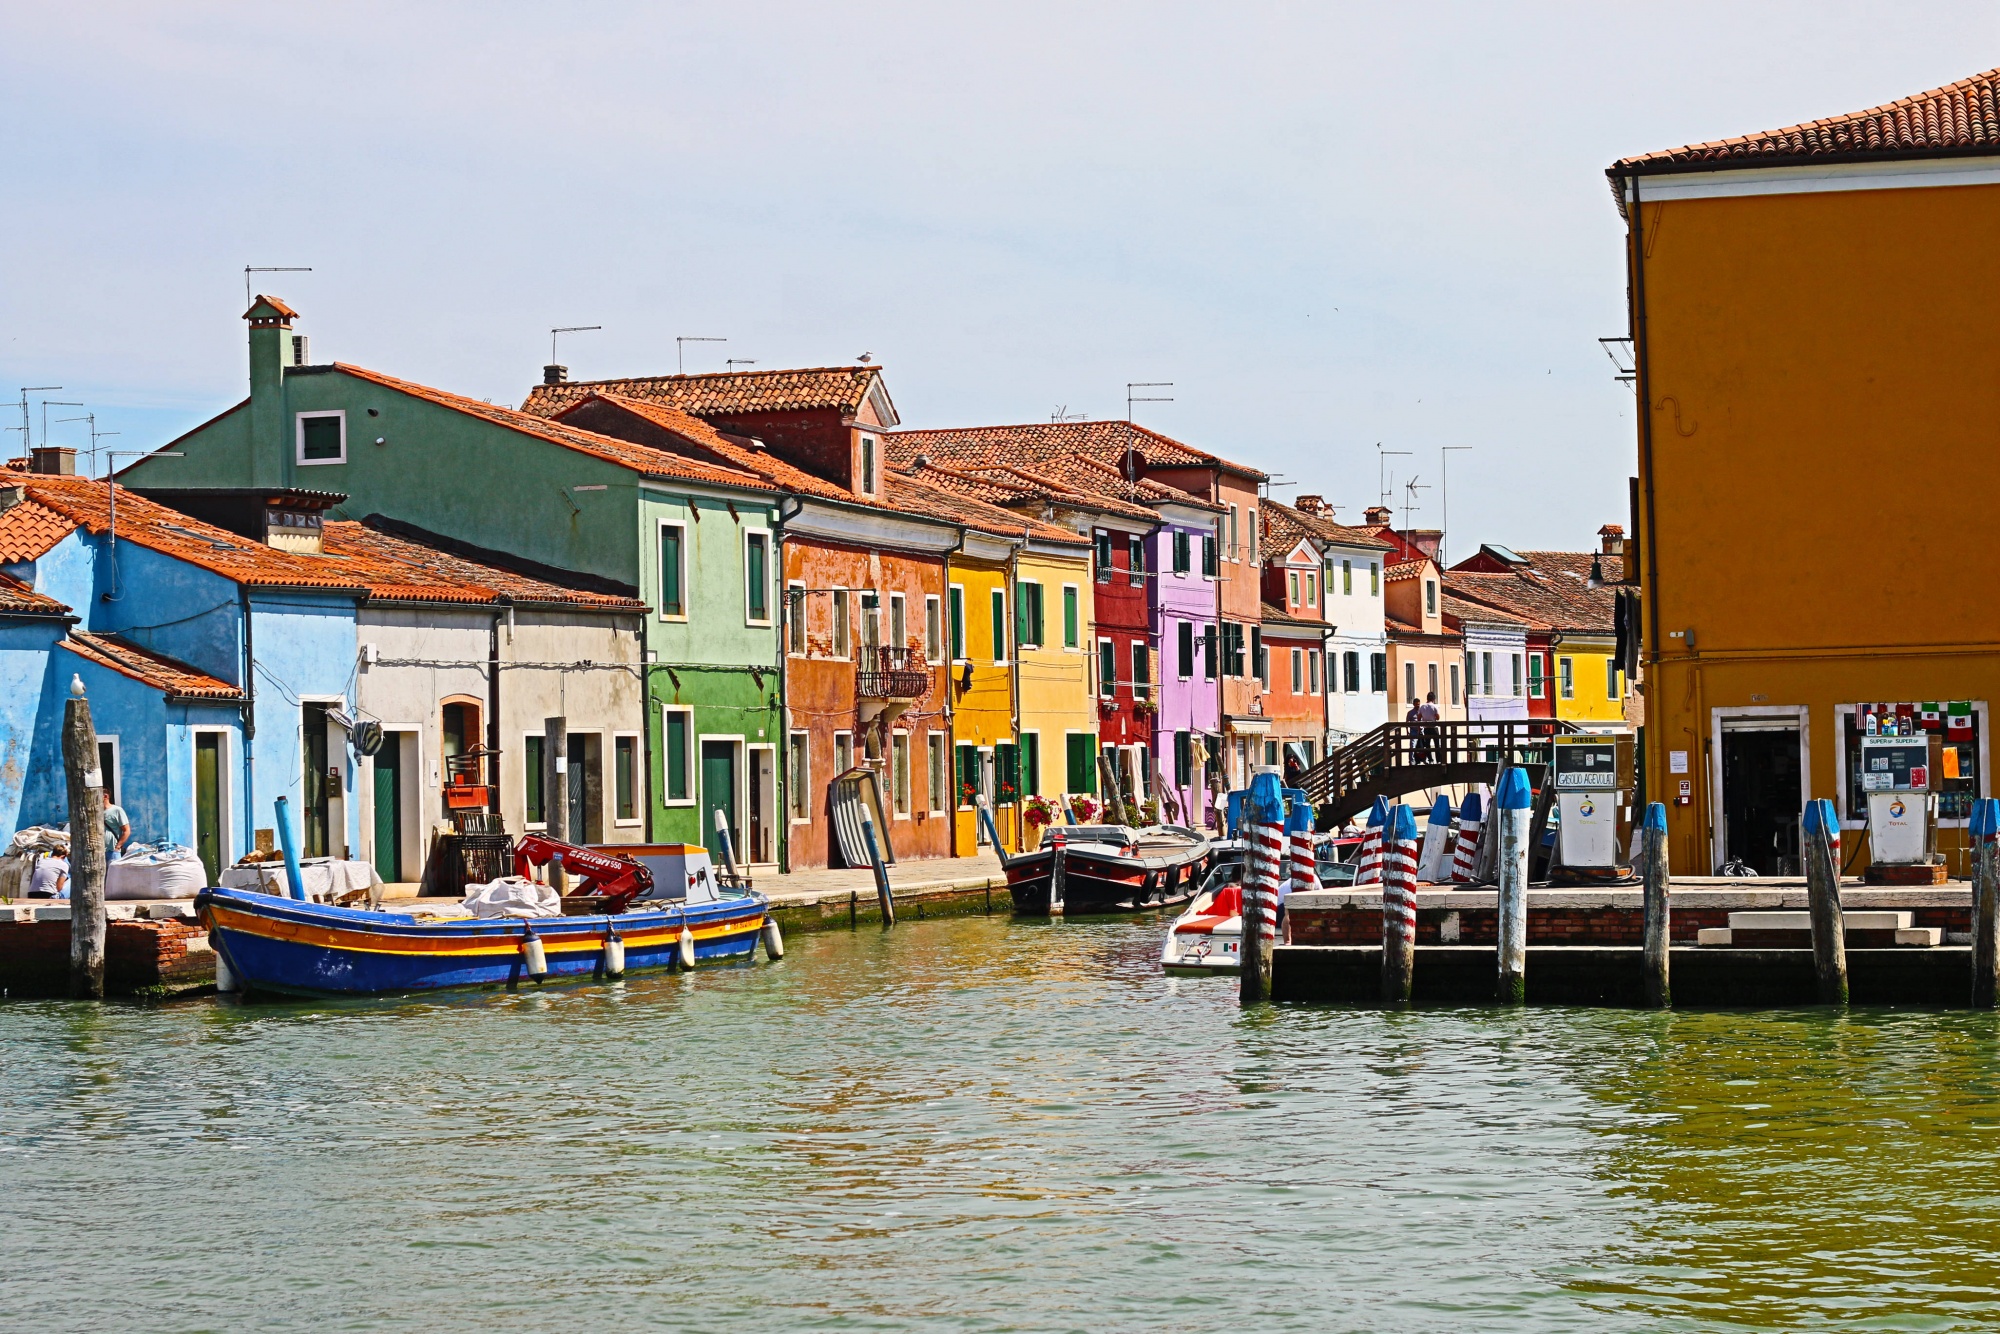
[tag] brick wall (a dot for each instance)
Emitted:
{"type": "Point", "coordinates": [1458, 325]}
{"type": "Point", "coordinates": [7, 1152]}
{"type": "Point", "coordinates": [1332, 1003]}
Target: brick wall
{"type": "Point", "coordinates": [138, 956]}
{"type": "Point", "coordinates": [1546, 926]}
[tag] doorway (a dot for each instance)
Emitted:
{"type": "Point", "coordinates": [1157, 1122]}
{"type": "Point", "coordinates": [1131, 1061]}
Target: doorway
{"type": "Point", "coordinates": [763, 844]}
{"type": "Point", "coordinates": [208, 805]}
{"type": "Point", "coordinates": [389, 809]}
{"type": "Point", "coordinates": [718, 793]}
{"type": "Point", "coordinates": [313, 772]}
{"type": "Point", "coordinates": [1761, 799]}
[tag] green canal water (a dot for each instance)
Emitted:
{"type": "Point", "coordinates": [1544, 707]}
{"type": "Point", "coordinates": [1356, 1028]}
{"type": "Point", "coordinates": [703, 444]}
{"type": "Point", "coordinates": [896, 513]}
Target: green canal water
{"type": "Point", "coordinates": [981, 1125]}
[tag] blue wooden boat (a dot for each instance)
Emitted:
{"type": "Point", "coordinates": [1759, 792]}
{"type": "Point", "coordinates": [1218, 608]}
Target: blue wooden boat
{"type": "Point", "coordinates": [282, 945]}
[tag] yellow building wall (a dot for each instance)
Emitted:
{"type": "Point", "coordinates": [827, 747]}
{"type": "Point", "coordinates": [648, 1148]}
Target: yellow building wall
{"type": "Point", "coordinates": [984, 714]}
{"type": "Point", "coordinates": [1822, 385]}
{"type": "Point", "coordinates": [1592, 701]}
{"type": "Point", "coordinates": [1054, 679]}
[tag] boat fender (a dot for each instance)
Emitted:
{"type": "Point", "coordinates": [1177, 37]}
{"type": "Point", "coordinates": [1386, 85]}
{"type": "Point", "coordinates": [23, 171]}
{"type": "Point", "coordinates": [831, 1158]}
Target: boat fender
{"type": "Point", "coordinates": [614, 955]}
{"type": "Point", "coordinates": [687, 948]}
{"type": "Point", "coordinates": [225, 976]}
{"type": "Point", "coordinates": [774, 939]}
{"type": "Point", "coordinates": [534, 958]}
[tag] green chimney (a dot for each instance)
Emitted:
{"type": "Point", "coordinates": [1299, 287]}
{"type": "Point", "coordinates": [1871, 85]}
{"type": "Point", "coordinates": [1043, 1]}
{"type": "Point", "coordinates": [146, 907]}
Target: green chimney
{"type": "Point", "coordinates": [270, 461]}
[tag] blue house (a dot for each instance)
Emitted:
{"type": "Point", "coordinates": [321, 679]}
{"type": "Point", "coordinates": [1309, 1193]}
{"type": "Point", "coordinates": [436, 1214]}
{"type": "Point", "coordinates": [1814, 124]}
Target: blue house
{"type": "Point", "coordinates": [220, 669]}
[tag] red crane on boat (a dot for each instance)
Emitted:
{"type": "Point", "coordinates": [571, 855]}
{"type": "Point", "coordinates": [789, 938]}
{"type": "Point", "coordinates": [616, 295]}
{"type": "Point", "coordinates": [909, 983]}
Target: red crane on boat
{"type": "Point", "coordinates": [618, 880]}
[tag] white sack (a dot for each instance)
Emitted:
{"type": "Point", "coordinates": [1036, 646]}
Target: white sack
{"type": "Point", "coordinates": [512, 896]}
{"type": "Point", "coordinates": [157, 873]}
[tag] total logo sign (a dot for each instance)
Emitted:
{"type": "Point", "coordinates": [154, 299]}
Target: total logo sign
{"type": "Point", "coordinates": [1586, 808]}
{"type": "Point", "coordinates": [1897, 810]}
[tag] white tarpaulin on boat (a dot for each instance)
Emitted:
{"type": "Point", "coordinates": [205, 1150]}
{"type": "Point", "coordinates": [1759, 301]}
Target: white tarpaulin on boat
{"type": "Point", "coordinates": [512, 896]}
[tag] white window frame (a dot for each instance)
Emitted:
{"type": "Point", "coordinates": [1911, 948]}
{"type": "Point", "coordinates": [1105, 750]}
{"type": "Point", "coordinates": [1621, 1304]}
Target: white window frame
{"type": "Point", "coordinates": [899, 616]}
{"type": "Point", "coordinates": [871, 464]}
{"type": "Point", "coordinates": [1298, 671]}
{"type": "Point", "coordinates": [769, 553]}
{"type": "Point", "coordinates": [901, 803]}
{"type": "Point", "coordinates": [1040, 590]}
{"type": "Point", "coordinates": [691, 759]}
{"type": "Point", "coordinates": [965, 623]}
{"type": "Point", "coordinates": [1072, 591]}
{"type": "Point", "coordinates": [299, 437]}
{"type": "Point", "coordinates": [1515, 663]}
{"type": "Point", "coordinates": [1098, 664]}
{"type": "Point", "coordinates": [795, 626]}
{"type": "Point", "coordinates": [1566, 678]}
{"type": "Point", "coordinates": [842, 623]}
{"type": "Point", "coordinates": [838, 767]}
{"type": "Point", "coordinates": [1000, 623]}
{"type": "Point", "coordinates": [680, 527]}
{"type": "Point", "coordinates": [117, 775]}
{"type": "Point", "coordinates": [638, 741]}
{"type": "Point", "coordinates": [935, 629]}
{"type": "Point", "coordinates": [799, 797]}
{"type": "Point", "coordinates": [937, 772]}
{"type": "Point", "coordinates": [225, 841]}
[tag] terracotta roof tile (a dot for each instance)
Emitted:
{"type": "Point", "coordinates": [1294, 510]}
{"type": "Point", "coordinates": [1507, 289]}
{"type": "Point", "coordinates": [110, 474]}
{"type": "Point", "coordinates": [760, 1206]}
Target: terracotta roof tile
{"type": "Point", "coordinates": [1285, 524]}
{"type": "Point", "coordinates": [1462, 610]}
{"type": "Point", "coordinates": [394, 568]}
{"type": "Point", "coordinates": [1277, 615]}
{"type": "Point", "coordinates": [1408, 569]}
{"type": "Point", "coordinates": [1545, 591]}
{"type": "Point", "coordinates": [936, 493]}
{"type": "Point", "coordinates": [29, 528]}
{"type": "Point", "coordinates": [844, 388]}
{"type": "Point", "coordinates": [1032, 442]}
{"type": "Point", "coordinates": [17, 599]}
{"type": "Point", "coordinates": [725, 450]}
{"type": "Point", "coordinates": [175, 678]}
{"type": "Point", "coordinates": [1959, 118]}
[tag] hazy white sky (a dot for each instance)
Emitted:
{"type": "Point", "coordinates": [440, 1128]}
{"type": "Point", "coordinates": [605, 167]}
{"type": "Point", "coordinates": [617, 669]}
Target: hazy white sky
{"type": "Point", "coordinates": [1327, 225]}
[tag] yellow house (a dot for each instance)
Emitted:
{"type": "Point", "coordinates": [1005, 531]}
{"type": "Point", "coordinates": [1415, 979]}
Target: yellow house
{"type": "Point", "coordinates": [1052, 620]}
{"type": "Point", "coordinates": [982, 684]}
{"type": "Point", "coordinates": [1811, 314]}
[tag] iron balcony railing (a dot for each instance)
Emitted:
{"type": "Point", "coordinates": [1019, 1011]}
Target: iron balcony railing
{"type": "Point", "coordinates": [893, 673]}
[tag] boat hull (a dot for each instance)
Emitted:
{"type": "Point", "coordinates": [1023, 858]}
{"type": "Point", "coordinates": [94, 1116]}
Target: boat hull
{"type": "Point", "coordinates": [1094, 883]}
{"type": "Point", "coordinates": [307, 949]}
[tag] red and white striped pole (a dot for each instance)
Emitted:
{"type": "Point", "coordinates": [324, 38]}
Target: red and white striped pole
{"type": "Point", "coordinates": [1263, 872]}
{"type": "Point", "coordinates": [1305, 876]}
{"type": "Point", "coordinates": [1368, 866]}
{"type": "Point", "coordinates": [1399, 905]}
{"type": "Point", "coordinates": [1470, 816]}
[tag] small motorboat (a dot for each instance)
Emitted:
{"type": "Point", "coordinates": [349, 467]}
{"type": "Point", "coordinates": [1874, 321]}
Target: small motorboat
{"type": "Point", "coordinates": [1109, 869]}
{"type": "Point", "coordinates": [291, 947]}
{"type": "Point", "coordinates": [1208, 936]}
{"type": "Point", "coordinates": [1336, 859]}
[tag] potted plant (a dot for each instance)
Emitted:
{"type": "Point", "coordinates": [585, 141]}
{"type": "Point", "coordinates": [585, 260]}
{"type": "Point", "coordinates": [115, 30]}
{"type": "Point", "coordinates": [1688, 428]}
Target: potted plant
{"type": "Point", "coordinates": [1087, 807]}
{"type": "Point", "coordinates": [1041, 812]}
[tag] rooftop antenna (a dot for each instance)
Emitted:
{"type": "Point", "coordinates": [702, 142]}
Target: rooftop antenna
{"type": "Point", "coordinates": [733, 362]}
{"type": "Point", "coordinates": [1381, 477]}
{"type": "Point", "coordinates": [249, 269]}
{"type": "Point", "coordinates": [1620, 352]}
{"type": "Point", "coordinates": [1132, 472]}
{"type": "Point", "coordinates": [1410, 489]}
{"type": "Point", "coordinates": [1444, 521]}
{"type": "Point", "coordinates": [26, 428]}
{"type": "Point", "coordinates": [680, 349]}
{"type": "Point", "coordinates": [1063, 414]}
{"type": "Point", "coordinates": [58, 402]}
{"type": "Point", "coordinates": [568, 328]}
{"type": "Point", "coordinates": [95, 434]}
{"type": "Point", "coordinates": [111, 494]}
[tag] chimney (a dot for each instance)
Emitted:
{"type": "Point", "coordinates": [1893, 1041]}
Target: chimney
{"type": "Point", "coordinates": [54, 459]}
{"type": "Point", "coordinates": [1611, 539]}
{"type": "Point", "coordinates": [555, 375]}
{"type": "Point", "coordinates": [272, 353]}
{"type": "Point", "coordinates": [1309, 504]}
{"type": "Point", "coordinates": [1377, 515]}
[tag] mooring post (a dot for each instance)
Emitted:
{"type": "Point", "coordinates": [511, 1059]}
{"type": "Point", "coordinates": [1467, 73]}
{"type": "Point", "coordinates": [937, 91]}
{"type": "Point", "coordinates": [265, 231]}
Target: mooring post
{"type": "Point", "coordinates": [1514, 808]}
{"type": "Point", "coordinates": [1399, 905]}
{"type": "Point", "coordinates": [1985, 833]}
{"type": "Point", "coordinates": [1305, 876]}
{"type": "Point", "coordinates": [1819, 841]}
{"type": "Point", "coordinates": [882, 894]}
{"type": "Point", "coordinates": [288, 843]}
{"type": "Point", "coordinates": [1368, 865]}
{"type": "Point", "coordinates": [1470, 816]}
{"type": "Point", "coordinates": [1058, 869]}
{"type": "Point", "coordinates": [555, 795]}
{"type": "Point", "coordinates": [86, 847]}
{"type": "Point", "coordinates": [1659, 920]}
{"type": "Point", "coordinates": [1264, 818]}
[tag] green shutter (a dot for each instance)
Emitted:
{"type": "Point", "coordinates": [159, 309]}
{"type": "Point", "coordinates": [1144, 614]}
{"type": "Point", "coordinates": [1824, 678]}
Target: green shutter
{"type": "Point", "coordinates": [1023, 629]}
{"type": "Point", "coordinates": [957, 623]}
{"type": "Point", "coordinates": [758, 576]}
{"type": "Point", "coordinates": [1082, 759]}
{"type": "Point", "coordinates": [677, 755]}
{"type": "Point", "coordinates": [531, 790]}
{"type": "Point", "coordinates": [671, 603]}
{"type": "Point", "coordinates": [1070, 618]}
{"type": "Point", "coordinates": [1107, 668]}
{"type": "Point", "coordinates": [1035, 614]}
{"type": "Point", "coordinates": [999, 626]}
{"type": "Point", "coordinates": [1031, 764]}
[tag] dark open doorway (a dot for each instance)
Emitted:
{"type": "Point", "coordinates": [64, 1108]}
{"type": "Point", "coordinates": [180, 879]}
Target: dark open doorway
{"type": "Point", "coordinates": [1760, 798]}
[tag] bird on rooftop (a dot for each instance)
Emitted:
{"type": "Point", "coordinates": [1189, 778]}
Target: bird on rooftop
{"type": "Point", "coordinates": [865, 358]}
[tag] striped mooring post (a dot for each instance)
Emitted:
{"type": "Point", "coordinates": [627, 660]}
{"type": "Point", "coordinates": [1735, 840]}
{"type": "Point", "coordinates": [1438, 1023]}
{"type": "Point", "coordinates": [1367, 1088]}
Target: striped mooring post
{"type": "Point", "coordinates": [1263, 881]}
{"type": "Point", "coordinates": [1513, 806]}
{"type": "Point", "coordinates": [1985, 833]}
{"type": "Point", "coordinates": [1819, 830]}
{"type": "Point", "coordinates": [1399, 905]}
{"type": "Point", "coordinates": [1471, 814]}
{"type": "Point", "coordinates": [1369, 864]}
{"type": "Point", "coordinates": [1659, 918]}
{"type": "Point", "coordinates": [1305, 876]}
{"type": "Point", "coordinates": [1434, 860]}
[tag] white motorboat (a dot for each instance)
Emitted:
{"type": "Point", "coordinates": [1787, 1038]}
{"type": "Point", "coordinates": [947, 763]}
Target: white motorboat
{"type": "Point", "coordinates": [1207, 937]}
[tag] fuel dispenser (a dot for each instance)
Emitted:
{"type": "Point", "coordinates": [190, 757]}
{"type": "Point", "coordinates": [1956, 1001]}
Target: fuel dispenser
{"type": "Point", "coordinates": [1899, 776]}
{"type": "Point", "coordinates": [1594, 783]}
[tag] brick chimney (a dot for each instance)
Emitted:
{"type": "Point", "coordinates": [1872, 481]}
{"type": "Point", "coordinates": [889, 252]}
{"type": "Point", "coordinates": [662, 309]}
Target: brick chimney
{"type": "Point", "coordinates": [55, 459]}
{"type": "Point", "coordinates": [555, 375]}
{"type": "Point", "coordinates": [1611, 539]}
{"type": "Point", "coordinates": [1310, 504]}
{"type": "Point", "coordinates": [1379, 515]}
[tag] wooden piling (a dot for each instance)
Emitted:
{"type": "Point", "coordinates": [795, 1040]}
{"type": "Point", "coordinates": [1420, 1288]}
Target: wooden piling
{"type": "Point", "coordinates": [1659, 920]}
{"type": "Point", "coordinates": [1399, 905]}
{"type": "Point", "coordinates": [555, 793]}
{"type": "Point", "coordinates": [86, 848]}
{"type": "Point", "coordinates": [883, 895]}
{"type": "Point", "coordinates": [1263, 819]}
{"type": "Point", "coordinates": [1818, 840]}
{"type": "Point", "coordinates": [1985, 831]}
{"type": "Point", "coordinates": [1513, 811]}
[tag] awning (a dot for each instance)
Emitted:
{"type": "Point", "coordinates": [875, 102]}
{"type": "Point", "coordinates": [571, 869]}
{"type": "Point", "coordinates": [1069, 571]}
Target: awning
{"type": "Point", "coordinates": [1248, 724]}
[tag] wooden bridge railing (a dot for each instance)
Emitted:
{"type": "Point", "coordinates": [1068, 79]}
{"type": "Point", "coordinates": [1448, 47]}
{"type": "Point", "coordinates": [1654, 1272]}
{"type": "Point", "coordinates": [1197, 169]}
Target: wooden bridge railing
{"type": "Point", "coordinates": [1467, 743]}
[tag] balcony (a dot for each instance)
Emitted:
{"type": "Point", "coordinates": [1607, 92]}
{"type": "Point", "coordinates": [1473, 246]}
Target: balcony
{"type": "Point", "coordinates": [892, 675]}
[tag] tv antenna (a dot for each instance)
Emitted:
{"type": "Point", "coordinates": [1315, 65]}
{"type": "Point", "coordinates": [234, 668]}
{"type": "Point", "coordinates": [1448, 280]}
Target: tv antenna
{"type": "Point", "coordinates": [1131, 468]}
{"type": "Point", "coordinates": [95, 434]}
{"type": "Point", "coordinates": [733, 362]}
{"type": "Point", "coordinates": [1410, 489]}
{"type": "Point", "coordinates": [680, 349]}
{"type": "Point", "coordinates": [1381, 476]}
{"type": "Point", "coordinates": [568, 328]}
{"type": "Point", "coordinates": [46, 403]}
{"type": "Point", "coordinates": [1063, 414]}
{"type": "Point", "coordinates": [248, 269]}
{"type": "Point", "coordinates": [1620, 352]}
{"type": "Point", "coordinates": [1444, 520]}
{"type": "Point", "coordinates": [26, 428]}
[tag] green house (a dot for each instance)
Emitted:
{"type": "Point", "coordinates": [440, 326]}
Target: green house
{"type": "Point", "coordinates": [696, 540]}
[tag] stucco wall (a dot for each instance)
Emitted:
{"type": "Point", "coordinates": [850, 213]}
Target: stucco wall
{"type": "Point", "coordinates": [25, 648]}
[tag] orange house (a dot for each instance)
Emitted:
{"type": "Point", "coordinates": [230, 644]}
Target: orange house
{"type": "Point", "coordinates": [1811, 315]}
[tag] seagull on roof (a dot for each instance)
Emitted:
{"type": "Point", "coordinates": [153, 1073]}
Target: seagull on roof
{"type": "Point", "coordinates": [865, 358]}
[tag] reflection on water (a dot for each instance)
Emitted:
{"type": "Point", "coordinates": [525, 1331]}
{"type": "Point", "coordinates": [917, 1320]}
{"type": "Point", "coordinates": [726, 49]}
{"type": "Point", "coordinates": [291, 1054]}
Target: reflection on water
{"type": "Point", "coordinates": [979, 1125]}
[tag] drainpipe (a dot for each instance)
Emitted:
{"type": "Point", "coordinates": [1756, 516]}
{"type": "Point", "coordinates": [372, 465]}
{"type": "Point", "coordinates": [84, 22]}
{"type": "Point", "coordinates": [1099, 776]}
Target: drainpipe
{"type": "Point", "coordinates": [493, 707]}
{"type": "Point", "coordinates": [784, 746]}
{"type": "Point", "coordinates": [249, 712]}
{"type": "Point", "coordinates": [950, 713]}
{"type": "Point", "coordinates": [1014, 688]}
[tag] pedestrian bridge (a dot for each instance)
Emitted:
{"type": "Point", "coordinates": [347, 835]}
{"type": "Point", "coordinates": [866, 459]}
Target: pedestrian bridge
{"type": "Point", "coordinates": [1400, 758]}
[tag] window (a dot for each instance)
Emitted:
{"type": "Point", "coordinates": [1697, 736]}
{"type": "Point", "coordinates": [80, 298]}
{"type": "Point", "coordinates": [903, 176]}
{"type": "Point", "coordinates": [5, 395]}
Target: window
{"type": "Point", "coordinates": [957, 623]}
{"type": "Point", "coordinates": [1137, 574]}
{"type": "Point", "coordinates": [1312, 589]}
{"type": "Point", "coordinates": [1103, 557]}
{"type": "Point", "coordinates": [1430, 597]}
{"type": "Point", "coordinates": [1298, 671]}
{"type": "Point", "coordinates": [841, 627]}
{"type": "Point", "coordinates": [531, 785]}
{"type": "Point", "coordinates": [937, 773]}
{"type": "Point", "coordinates": [797, 781]}
{"type": "Point", "coordinates": [673, 571]}
{"type": "Point", "coordinates": [867, 465]}
{"type": "Point", "coordinates": [1486, 673]}
{"type": "Point", "coordinates": [1534, 676]}
{"type": "Point", "coordinates": [1566, 677]}
{"type": "Point", "coordinates": [1350, 663]}
{"type": "Point", "coordinates": [843, 753]}
{"type": "Point", "coordinates": [899, 783]}
{"type": "Point", "coordinates": [1431, 676]}
{"type": "Point", "coordinates": [1232, 649]}
{"type": "Point", "coordinates": [1611, 690]}
{"type": "Point", "coordinates": [1374, 578]}
{"type": "Point", "coordinates": [1183, 759]}
{"type": "Point", "coordinates": [1107, 668]}
{"type": "Point", "coordinates": [1208, 567]}
{"type": "Point", "coordinates": [1378, 673]}
{"type": "Point", "coordinates": [1031, 764]}
{"type": "Point", "coordinates": [1271, 754]}
{"type": "Point", "coordinates": [1080, 762]}
{"type": "Point", "coordinates": [1347, 577]}
{"type": "Point", "coordinates": [1208, 653]}
{"type": "Point", "coordinates": [1234, 552]}
{"type": "Point", "coordinates": [999, 626]}
{"type": "Point", "coordinates": [1142, 670]}
{"type": "Point", "coordinates": [795, 619]}
{"type": "Point", "coordinates": [322, 437]}
{"type": "Point", "coordinates": [679, 756]}
{"type": "Point", "coordinates": [1071, 626]}
{"type": "Point", "coordinates": [933, 630]}
{"type": "Point", "coordinates": [1027, 614]}
{"type": "Point", "coordinates": [871, 619]}
{"type": "Point", "coordinates": [1409, 683]}
{"type": "Point", "coordinates": [1312, 671]}
{"type": "Point", "coordinates": [625, 778]}
{"type": "Point", "coordinates": [1185, 650]}
{"type": "Point", "coordinates": [1260, 657]}
{"type": "Point", "coordinates": [1006, 772]}
{"type": "Point", "coordinates": [1182, 556]}
{"type": "Point", "coordinates": [1514, 678]}
{"type": "Point", "coordinates": [1292, 586]}
{"type": "Point", "coordinates": [1254, 554]}
{"type": "Point", "coordinates": [757, 577]}
{"type": "Point", "coordinates": [107, 767]}
{"type": "Point", "coordinates": [968, 775]}
{"type": "Point", "coordinates": [899, 627]}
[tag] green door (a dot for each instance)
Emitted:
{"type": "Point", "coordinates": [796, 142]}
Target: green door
{"type": "Point", "coordinates": [208, 803]}
{"type": "Point", "coordinates": [389, 809]}
{"type": "Point", "coordinates": [718, 793]}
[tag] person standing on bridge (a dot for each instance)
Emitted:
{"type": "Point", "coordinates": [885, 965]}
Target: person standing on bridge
{"type": "Point", "coordinates": [1427, 714]}
{"type": "Point", "coordinates": [1414, 721]}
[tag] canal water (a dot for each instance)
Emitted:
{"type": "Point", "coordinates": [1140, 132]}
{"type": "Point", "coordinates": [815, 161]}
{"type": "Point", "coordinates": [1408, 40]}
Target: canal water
{"type": "Point", "coordinates": [975, 1124]}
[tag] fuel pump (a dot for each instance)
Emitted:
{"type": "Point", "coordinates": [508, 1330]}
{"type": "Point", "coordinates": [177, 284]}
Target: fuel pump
{"type": "Point", "coordinates": [1593, 778]}
{"type": "Point", "coordinates": [1899, 777]}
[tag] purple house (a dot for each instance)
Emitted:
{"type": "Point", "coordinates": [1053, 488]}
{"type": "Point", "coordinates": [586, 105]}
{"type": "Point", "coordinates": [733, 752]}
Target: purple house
{"type": "Point", "coordinates": [1183, 608]}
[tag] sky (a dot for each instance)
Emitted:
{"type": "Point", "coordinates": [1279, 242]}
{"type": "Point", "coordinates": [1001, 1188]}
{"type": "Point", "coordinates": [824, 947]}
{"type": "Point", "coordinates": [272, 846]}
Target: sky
{"type": "Point", "coordinates": [1336, 230]}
